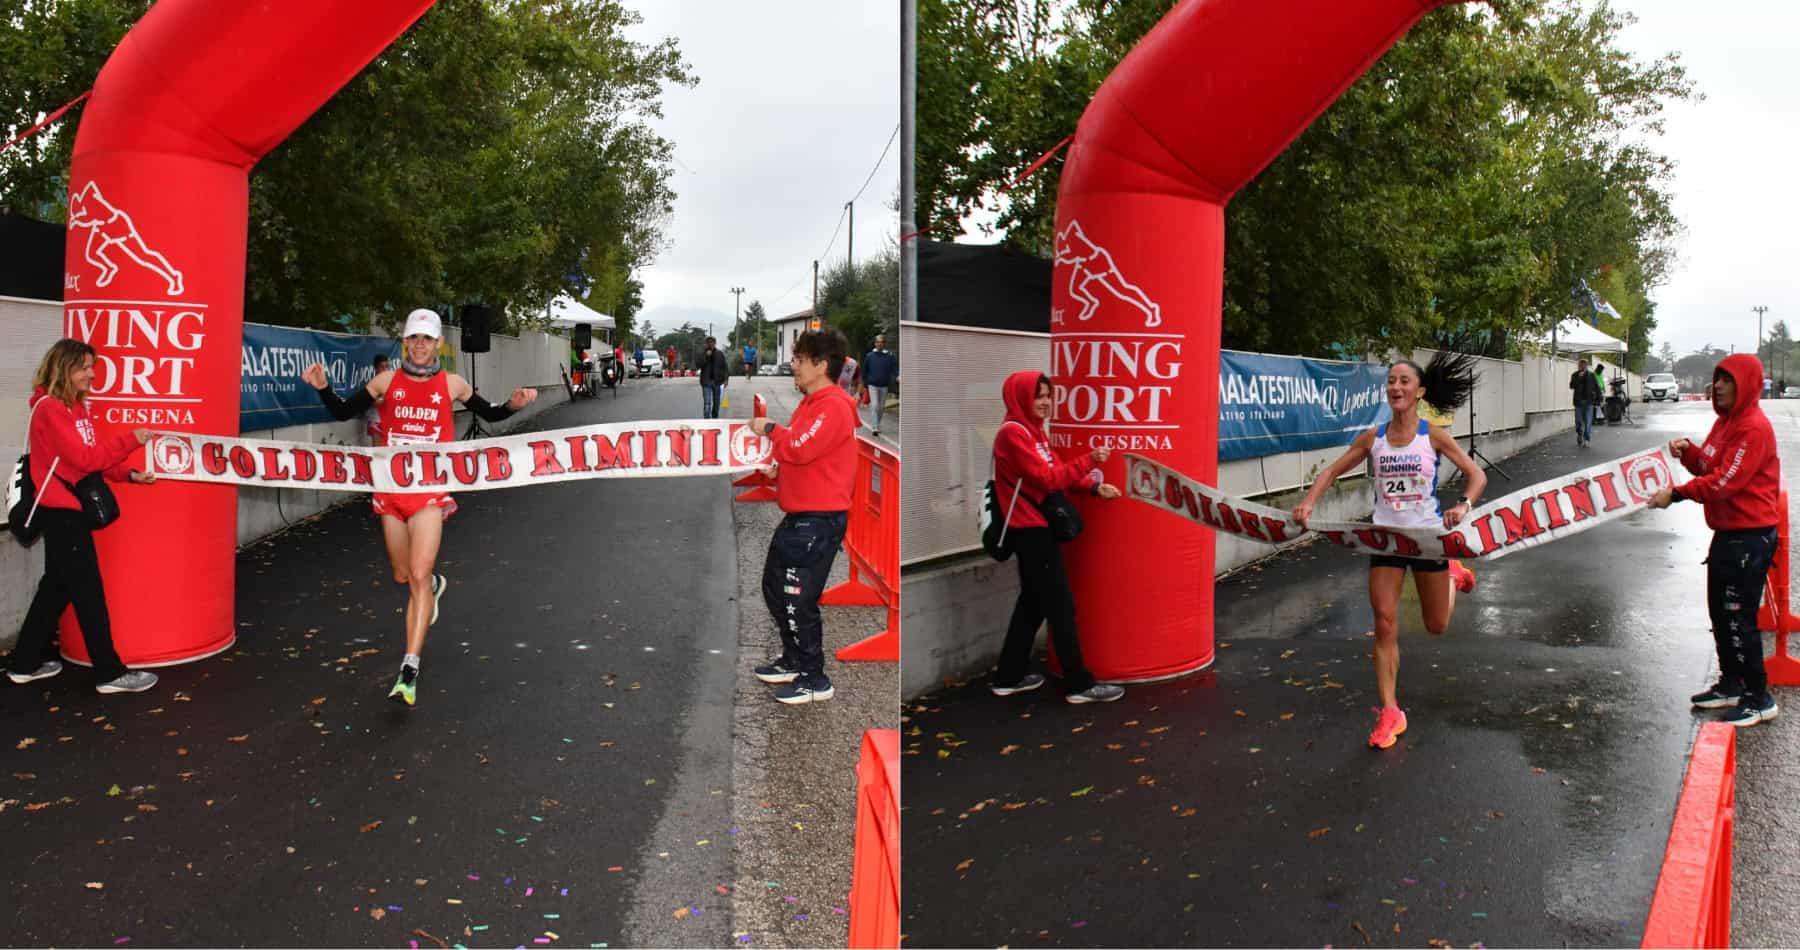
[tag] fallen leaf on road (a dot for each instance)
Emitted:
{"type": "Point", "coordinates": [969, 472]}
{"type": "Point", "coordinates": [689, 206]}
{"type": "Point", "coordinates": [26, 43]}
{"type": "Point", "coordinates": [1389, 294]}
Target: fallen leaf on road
{"type": "Point", "coordinates": [371, 826]}
{"type": "Point", "coordinates": [1286, 716]}
{"type": "Point", "coordinates": [1319, 832]}
{"type": "Point", "coordinates": [95, 885]}
{"type": "Point", "coordinates": [681, 913]}
{"type": "Point", "coordinates": [27, 742]}
{"type": "Point", "coordinates": [965, 865]}
{"type": "Point", "coordinates": [1009, 750]}
{"type": "Point", "coordinates": [114, 792]}
{"type": "Point", "coordinates": [377, 912]}
{"type": "Point", "coordinates": [1081, 791]}
{"type": "Point", "coordinates": [237, 738]}
{"type": "Point", "coordinates": [146, 807]}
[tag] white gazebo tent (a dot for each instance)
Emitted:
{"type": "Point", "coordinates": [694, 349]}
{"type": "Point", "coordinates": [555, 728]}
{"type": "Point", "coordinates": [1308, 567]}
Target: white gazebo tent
{"type": "Point", "coordinates": [566, 313]}
{"type": "Point", "coordinates": [1574, 336]}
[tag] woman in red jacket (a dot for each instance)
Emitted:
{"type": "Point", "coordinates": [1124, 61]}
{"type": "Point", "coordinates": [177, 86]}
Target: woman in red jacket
{"type": "Point", "coordinates": [1738, 482]}
{"type": "Point", "coordinates": [1025, 470]}
{"type": "Point", "coordinates": [62, 431]}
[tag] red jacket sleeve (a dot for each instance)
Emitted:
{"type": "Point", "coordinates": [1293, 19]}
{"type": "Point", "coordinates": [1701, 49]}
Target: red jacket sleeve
{"type": "Point", "coordinates": [1690, 459]}
{"type": "Point", "coordinates": [813, 437]}
{"type": "Point", "coordinates": [1747, 453]}
{"type": "Point", "coordinates": [54, 430]}
{"type": "Point", "coordinates": [1015, 446]}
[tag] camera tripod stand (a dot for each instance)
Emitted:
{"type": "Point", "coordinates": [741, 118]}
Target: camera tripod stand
{"type": "Point", "coordinates": [1475, 450]}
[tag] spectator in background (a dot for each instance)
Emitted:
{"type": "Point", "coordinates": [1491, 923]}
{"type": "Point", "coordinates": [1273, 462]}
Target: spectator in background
{"type": "Point", "coordinates": [715, 375]}
{"type": "Point", "coordinates": [1586, 389]}
{"type": "Point", "coordinates": [749, 360]}
{"type": "Point", "coordinates": [61, 431]}
{"type": "Point", "coordinates": [372, 418]}
{"type": "Point", "coordinates": [880, 370]}
{"type": "Point", "coordinates": [669, 362]}
{"type": "Point", "coordinates": [847, 378]}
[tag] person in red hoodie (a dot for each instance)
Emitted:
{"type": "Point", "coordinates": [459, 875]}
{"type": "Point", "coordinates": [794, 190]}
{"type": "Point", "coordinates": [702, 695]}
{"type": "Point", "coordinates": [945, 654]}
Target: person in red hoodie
{"type": "Point", "coordinates": [61, 431]}
{"type": "Point", "coordinates": [1738, 483]}
{"type": "Point", "coordinates": [816, 456]}
{"type": "Point", "coordinates": [1025, 470]}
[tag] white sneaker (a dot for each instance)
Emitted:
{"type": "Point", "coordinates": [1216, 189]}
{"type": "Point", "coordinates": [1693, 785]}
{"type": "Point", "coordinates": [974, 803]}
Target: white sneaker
{"type": "Point", "coordinates": [134, 681]}
{"type": "Point", "coordinates": [48, 669]}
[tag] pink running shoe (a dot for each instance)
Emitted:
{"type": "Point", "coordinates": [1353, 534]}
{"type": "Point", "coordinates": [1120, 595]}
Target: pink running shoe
{"type": "Point", "coordinates": [1462, 577]}
{"type": "Point", "coordinates": [1388, 727]}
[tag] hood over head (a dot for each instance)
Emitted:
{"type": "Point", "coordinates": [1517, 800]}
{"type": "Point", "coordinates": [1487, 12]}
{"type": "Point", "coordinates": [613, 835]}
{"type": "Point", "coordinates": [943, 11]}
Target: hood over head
{"type": "Point", "coordinates": [1018, 392]}
{"type": "Point", "coordinates": [1747, 372]}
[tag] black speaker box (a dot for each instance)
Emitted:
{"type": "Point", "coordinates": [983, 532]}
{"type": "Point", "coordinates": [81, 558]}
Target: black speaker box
{"type": "Point", "coordinates": [582, 337]}
{"type": "Point", "coordinates": [475, 319]}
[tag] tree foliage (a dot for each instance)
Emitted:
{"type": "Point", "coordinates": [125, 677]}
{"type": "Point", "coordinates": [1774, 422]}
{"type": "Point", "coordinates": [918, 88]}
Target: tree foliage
{"type": "Point", "coordinates": [863, 301]}
{"type": "Point", "coordinates": [1462, 187]}
{"type": "Point", "coordinates": [498, 151]}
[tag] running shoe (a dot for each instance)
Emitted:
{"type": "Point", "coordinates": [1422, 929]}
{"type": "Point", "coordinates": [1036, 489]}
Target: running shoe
{"type": "Point", "coordinates": [1388, 727]}
{"type": "Point", "coordinates": [775, 671]}
{"type": "Point", "coordinates": [1461, 576]}
{"type": "Point", "coordinates": [133, 681]}
{"type": "Point", "coordinates": [406, 686]}
{"type": "Point", "coordinates": [1097, 693]}
{"type": "Point", "coordinates": [1717, 696]}
{"type": "Point", "coordinates": [799, 692]}
{"type": "Point", "coordinates": [438, 583]}
{"type": "Point", "coordinates": [1028, 683]}
{"type": "Point", "coordinates": [1749, 713]}
{"type": "Point", "coordinates": [48, 669]}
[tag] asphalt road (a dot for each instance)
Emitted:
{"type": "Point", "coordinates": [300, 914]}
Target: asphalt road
{"type": "Point", "coordinates": [1528, 803]}
{"type": "Point", "coordinates": [565, 780]}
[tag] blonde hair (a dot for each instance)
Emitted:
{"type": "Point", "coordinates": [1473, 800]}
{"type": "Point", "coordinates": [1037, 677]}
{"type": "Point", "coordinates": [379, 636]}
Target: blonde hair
{"type": "Point", "coordinates": [59, 365]}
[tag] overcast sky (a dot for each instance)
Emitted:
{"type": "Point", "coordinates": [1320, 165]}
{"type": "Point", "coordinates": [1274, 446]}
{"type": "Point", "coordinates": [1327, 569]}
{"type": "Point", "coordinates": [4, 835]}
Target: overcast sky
{"type": "Point", "coordinates": [1736, 151]}
{"type": "Point", "coordinates": [1734, 187]}
{"type": "Point", "coordinates": [795, 102]}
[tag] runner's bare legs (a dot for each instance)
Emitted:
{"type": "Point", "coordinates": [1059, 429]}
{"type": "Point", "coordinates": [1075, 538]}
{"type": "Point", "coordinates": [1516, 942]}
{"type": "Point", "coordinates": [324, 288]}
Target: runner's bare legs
{"type": "Point", "coordinates": [425, 532]}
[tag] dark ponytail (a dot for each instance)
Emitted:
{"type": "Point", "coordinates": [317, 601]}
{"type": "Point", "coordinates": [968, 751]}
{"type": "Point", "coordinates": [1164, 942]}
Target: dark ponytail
{"type": "Point", "coordinates": [1448, 381]}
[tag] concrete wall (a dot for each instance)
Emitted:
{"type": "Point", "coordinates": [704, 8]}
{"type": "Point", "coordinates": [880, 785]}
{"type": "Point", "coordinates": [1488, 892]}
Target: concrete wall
{"type": "Point", "coordinates": [533, 360]}
{"type": "Point", "coordinates": [954, 610]}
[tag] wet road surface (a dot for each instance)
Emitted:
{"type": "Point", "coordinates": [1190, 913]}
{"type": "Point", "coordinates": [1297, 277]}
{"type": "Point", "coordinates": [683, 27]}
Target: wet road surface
{"type": "Point", "coordinates": [1527, 804]}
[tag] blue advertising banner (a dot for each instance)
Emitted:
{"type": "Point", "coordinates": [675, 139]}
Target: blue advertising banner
{"type": "Point", "coordinates": [1273, 404]}
{"type": "Point", "coordinates": [273, 394]}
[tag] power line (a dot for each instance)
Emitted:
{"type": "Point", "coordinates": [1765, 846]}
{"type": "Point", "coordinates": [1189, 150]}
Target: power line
{"type": "Point", "coordinates": [883, 158]}
{"type": "Point", "coordinates": [826, 254]}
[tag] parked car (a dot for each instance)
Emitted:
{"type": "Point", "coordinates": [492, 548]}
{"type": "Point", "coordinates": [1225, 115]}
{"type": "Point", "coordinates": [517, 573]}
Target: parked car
{"type": "Point", "coordinates": [1792, 392]}
{"type": "Point", "coordinates": [1660, 386]}
{"type": "Point", "coordinates": [785, 369]}
{"type": "Point", "coordinates": [766, 369]}
{"type": "Point", "coordinates": [652, 365]}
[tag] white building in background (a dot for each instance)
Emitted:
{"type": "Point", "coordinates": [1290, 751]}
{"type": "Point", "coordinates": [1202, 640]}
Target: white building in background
{"type": "Point", "coordinates": [787, 330]}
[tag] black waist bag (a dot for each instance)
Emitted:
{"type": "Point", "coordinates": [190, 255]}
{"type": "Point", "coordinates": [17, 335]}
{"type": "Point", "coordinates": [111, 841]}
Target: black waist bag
{"type": "Point", "coordinates": [96, 498]}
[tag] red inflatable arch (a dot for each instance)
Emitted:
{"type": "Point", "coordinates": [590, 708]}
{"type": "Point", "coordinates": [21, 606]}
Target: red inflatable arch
{"type": "Point", "coordinates": [159, 187]}
{"type": "Point", "coordinates": [1199, 107]}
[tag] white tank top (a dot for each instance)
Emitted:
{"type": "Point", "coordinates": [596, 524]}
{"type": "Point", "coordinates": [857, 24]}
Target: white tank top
{"type": "Point", "coordinates": [1405, 480]}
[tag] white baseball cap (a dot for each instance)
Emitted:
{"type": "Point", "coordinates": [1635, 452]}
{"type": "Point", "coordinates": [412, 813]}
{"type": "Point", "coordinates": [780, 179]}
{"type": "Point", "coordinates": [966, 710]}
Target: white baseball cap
{"type": "Point", "coordinates": [423, 322]}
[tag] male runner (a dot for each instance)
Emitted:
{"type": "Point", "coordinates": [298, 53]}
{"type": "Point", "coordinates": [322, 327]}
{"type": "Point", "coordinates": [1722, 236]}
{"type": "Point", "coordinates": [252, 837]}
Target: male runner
{"type": "Point", "coordinates": [417, 406]}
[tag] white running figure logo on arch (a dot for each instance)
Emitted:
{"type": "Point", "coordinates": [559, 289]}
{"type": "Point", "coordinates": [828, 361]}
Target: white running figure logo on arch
{"type": "Point", "coordinates": [1092, 265]}
{"type": "Point", "coordinates": [109, 228]}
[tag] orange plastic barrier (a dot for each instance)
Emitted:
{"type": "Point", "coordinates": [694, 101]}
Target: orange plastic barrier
{"type": "Point", "coordinates": [1692, 904]}
{"type": "Point", "coordinates": [872, 540]}
{"type": "Point", "coordinates": [875, 875]}
{"type": "Point", "coordinates": [1777, 613]}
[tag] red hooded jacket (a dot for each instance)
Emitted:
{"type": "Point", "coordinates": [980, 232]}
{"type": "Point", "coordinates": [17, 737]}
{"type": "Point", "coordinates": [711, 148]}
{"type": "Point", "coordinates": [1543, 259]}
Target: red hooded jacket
{"type": "Point", "coordinates": [1022, 456]}
{"type": "Point", "coordinates": [817, 452]}
{"type": "Point", "coordinates": [1738, 474]}
{"type": "Point", "coordinates": [66, 435]}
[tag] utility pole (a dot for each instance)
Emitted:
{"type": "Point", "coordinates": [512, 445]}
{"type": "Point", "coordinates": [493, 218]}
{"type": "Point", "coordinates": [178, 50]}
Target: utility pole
{"type": "Point", "coordinates": [850, 255]}
{"type": "Point", "coordinates": [737, 315]}
{"type": "Point", "coordinates": [815, 303]}
{"type": "Point", "coordinates": [909, 250]}
{"type": "Point", "coordinates": [1759, 337]}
